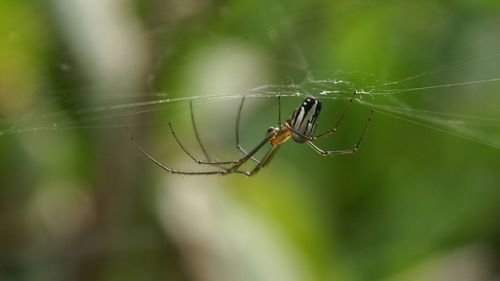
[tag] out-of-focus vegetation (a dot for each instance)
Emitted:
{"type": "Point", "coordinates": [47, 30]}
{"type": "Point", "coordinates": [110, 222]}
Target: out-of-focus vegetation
{"type": "Point", "coordinates": [79, 202]}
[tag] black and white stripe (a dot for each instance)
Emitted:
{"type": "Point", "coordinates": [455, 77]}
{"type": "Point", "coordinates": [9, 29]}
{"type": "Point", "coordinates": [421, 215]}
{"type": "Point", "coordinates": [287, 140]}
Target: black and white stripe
{"type": "Point", "coordinates": [303, 120]}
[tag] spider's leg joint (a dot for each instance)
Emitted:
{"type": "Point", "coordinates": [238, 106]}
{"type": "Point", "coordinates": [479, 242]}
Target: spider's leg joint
{"type": "Point", "coordinates": [226, 172]}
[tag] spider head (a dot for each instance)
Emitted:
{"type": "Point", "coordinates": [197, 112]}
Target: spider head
{"type": "Point", "coordinates": [272, 131]}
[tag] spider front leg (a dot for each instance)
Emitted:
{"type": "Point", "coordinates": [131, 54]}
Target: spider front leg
{"type": "Point", "coordinates": [164, 167]}
{"type": "Point", "coordinates": [265, 160]}
{"type": "Point", "coordinates": [353, 150]}
{"type": "Point", "coordinates": [224, 171]}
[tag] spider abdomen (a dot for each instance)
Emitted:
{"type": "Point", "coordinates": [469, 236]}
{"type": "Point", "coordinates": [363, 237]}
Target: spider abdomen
{"type": "Point", "coordinates": [303, 120]}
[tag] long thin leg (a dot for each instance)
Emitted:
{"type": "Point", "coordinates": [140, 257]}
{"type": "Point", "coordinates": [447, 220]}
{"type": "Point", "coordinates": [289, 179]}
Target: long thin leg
{"type": "Point", "coordinates": [167, 169]}
{"type": "Point", "coordinates": [251, 153]}
{"type": "Point", "coordinates": [162, 166]}
{"type": "Point", "coordinates": [238, 116]}
{"type": "Point", "coordinates": [198, 139]}
{"type": "Point", "coordinates": [279, 111]}
{"type": "Point", "coordinates": [232, 169]}
{"type": "Point", "coordinates": [208, 162]}
{"type": "Point", "coordinates": [238, 146]}
{"type": "Point", "coordinates": [354, 149]}
{"type": "Point", "coordinates": [332, 152]}
{"type": "Point", "coordinates": [236, 163]}
{"type": "Point", "coordinates": [196, 132]}
{"type": "Point", "coordinates": [265, 160]}
{"type": "Point", "coordinates": [339, 120]}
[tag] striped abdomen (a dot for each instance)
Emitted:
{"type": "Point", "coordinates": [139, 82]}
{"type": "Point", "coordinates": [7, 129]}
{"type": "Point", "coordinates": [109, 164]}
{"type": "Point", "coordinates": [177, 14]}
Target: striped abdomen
{"type": "Point", "coordinates": [303, 120]}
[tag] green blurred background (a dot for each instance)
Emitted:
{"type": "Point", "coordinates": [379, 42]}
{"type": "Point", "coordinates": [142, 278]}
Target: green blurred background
{"type": "Point", "coordinates": [79, 202]}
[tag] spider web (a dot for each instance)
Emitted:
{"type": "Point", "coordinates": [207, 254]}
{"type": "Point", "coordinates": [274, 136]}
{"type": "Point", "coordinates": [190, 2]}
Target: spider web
{"type": "Point", "coordinates": [387, 98]}
{"type": "Point", "coordinates": [426, 105]}
{"type": "Point", "coordinates": [454, 99]}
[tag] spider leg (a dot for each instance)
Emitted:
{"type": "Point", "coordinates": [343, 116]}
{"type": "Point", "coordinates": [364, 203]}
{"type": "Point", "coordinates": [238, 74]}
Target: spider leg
{"type": "Point", "coordinates": [198, 139]}
{"type": "Point", "coordinates": [322, 152]}
{"type": "Point", "coordinates": [298, 133]}
{"type": "Point", "coordinates": [339, 120]}
{"type": "Point", "coordinates": [354, 149]}
{"type": "Point", "coordinates": [236, 163]}
{"type": "Point", "coordinates": [226, 171]}
{"type": "Point", "coordinates": [193, 123]}
{"type": "Point", "coordinates": [265, 160]}
{"type": "Point", "coordinates": [209, 162]}
{"type": "Point", "coordinates": [232, 169]}
{"type": "Point", "coordinates": [252, 152]}
{"type": "Point", "coordinates": [279, 111]}
{"type": "Point", "coordinates": [167, 169]}
{"type": "Point", "coordinates": [238, 117]}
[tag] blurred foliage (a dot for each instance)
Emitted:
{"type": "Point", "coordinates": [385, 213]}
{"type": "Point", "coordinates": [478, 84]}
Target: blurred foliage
{"type": "Point", "coordinates": [79, 202]}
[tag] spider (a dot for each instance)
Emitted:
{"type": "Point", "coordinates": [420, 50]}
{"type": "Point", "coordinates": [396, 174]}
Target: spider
{"type": "Point", "coordinates": [300, 127]}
